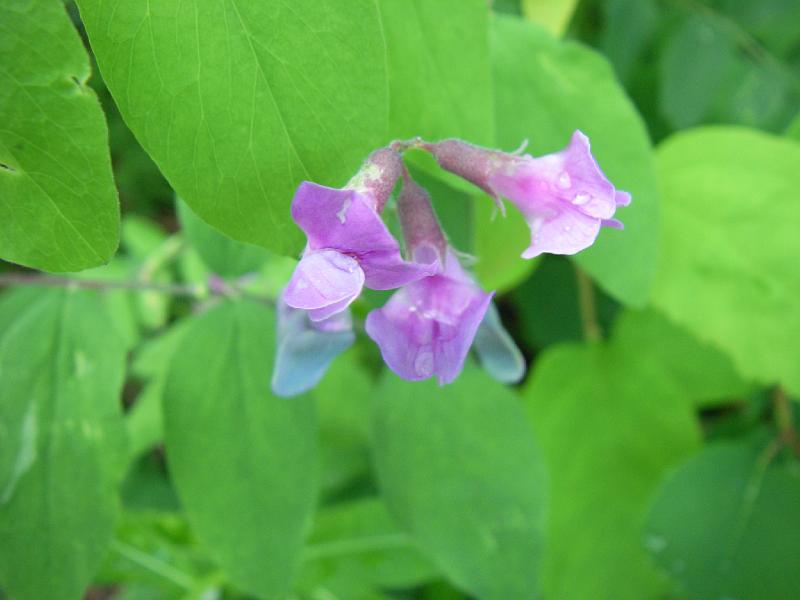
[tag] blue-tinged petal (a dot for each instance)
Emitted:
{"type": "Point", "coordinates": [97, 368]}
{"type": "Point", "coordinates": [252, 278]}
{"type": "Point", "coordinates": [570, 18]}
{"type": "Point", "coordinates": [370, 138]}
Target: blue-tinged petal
{"type": "Point", "coordinates": [497, 351]}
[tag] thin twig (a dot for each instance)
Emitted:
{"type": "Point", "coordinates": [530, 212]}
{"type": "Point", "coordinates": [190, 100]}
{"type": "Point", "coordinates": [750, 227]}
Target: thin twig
{"type": "Point", "coordinates": [586, 306]}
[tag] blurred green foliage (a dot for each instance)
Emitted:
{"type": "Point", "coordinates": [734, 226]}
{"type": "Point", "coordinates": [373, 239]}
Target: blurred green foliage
{"type": "Point", "coordinates": [142, 453]}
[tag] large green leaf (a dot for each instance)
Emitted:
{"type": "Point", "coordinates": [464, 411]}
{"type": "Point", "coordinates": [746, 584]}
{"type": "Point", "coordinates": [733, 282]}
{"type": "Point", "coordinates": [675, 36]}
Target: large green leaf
{"type": "Point", "coordinates": [610, 421]}
{"type": "Point", "coordinates": [725, 524]}
{"type": "Point", "coordinates": [729, 246]}
{"type": "Point", "coordinates": [460, 470]}
{"type": "Point", "coordinates": [439, 77]}
{"type": "Point", "coordinates": [544, 90]}
{"type": "Point", "coordinates": [703, 373]}
{"type": "Point", "coordinates": [61, 373]}
{"type": "Point", "coordinates": [58, 205]}
{"type": "Point", "coordinates": [237, 102]}
{"type": "Point", "coordinates": [243, 460]}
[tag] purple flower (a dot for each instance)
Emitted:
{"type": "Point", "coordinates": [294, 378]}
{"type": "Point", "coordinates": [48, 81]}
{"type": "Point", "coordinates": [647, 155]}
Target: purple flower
{"type": "Point", "coordinates": [565, 197]}
{"type": "Point", "coordinates": [348, 247]}
{"type": "Point", "coordinates": [428, 326]}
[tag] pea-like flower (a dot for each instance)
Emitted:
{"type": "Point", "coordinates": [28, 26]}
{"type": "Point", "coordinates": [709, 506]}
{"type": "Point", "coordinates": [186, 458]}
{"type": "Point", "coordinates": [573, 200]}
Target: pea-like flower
{"type": "Point", "coordinates": [564, 197]}
{"type": "Point", "coordinates": [349, 246]}
{"type": "Point", "coordinates": [428, 326]}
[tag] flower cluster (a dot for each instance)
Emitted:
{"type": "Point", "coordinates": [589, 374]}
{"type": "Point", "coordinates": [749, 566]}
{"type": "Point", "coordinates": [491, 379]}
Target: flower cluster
{"type": "Point", "coordinates": [438, 312]}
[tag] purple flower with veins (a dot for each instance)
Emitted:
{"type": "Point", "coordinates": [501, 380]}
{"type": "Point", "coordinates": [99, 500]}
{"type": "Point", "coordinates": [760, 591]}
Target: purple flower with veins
{"type": "Point", "coordinates": [565, 197]}
{"type": "Point", "coordinates": [349, 246]}
{"type": "Point", "coordinates": [428, 326]}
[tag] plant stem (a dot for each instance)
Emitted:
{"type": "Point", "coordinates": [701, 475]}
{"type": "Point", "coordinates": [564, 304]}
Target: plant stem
{"type": "Point", "coordinates": [159, 567]}
{"type": "Point", "coordinates": [586, 306]}
{"type": "Point", "coordinates": [39, 280]}
{"type": "Point", "coordinates": [784, 420]}
{"type": "Point", "coordinates": [356, 546]}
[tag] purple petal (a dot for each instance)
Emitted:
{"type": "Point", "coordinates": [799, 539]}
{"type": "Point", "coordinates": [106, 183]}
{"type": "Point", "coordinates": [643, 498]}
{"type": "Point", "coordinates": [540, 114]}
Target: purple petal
{"type": "Point", "coordinates": [565, 232]}
{"type": "Point", "coordinates": [588, 186]}
{"type": "Point", "coordinates": [342, 220]}
{"type": "Point", "coordinates": [622, 198]}
{"type": "Point", "coordinates": [387, 270]}
{"type": "Point", "coordinates": [324, 282]}
{"type": "Point", "coordinates": [428, 326]}
{"type": "Point", "coordinates": [613, 223]}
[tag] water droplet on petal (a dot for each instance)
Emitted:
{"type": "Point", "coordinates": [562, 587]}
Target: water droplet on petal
{"type": "Point", "coordinates": [564, 181]}
{"type": "Point", "coordinates": [581, 199]}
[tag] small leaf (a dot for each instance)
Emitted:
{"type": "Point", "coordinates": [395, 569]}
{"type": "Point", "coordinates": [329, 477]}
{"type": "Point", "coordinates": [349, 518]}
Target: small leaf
{"type": "Point", "coordinates": [243, 460]}
{"type": "Point", "coordinates": [459, 469]}
{"type": "Point", "coordinates": [58, 206]}
{"type": "Point", "coordinates": [61, 373]}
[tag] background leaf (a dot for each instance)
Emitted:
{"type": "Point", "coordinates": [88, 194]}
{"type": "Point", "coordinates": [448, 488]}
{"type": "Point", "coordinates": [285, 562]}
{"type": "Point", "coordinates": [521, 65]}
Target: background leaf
{"type": "Point", "coordinates": [222, 255]}
{"type": "Point", "coordinates": [725, 524]}
{"type": "Point", "coordinates": [238, 102]}
{"type": "Point", "coordinates": [58, 205]}
{"type": "Point", "coordinates": [610, 421]}
{"type": "Point", "coordinates": [61, 373]}
{"type": "Point", "coordinates": [243, 460]}
{"type": "Point", "coordinates": [460, 471]}
{"type": "Point", "coordinates": [728, 269]}
{"type": "Point", "coordinates": [544, 90]}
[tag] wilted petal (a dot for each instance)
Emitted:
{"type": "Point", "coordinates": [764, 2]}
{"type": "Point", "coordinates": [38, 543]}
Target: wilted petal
{"type": "Point", "coordinates": [497, 351]}
{"type": "Point", "coordinates": [324, 283]}
{"type": "Point", "coordinates": [305, 349]}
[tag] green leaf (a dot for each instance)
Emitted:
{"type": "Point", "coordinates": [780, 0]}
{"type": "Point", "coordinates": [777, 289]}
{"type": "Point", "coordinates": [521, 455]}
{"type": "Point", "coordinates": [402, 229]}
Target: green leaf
{"type": "Point", "coordinates": [544, 90]}
{"type": "Point", "coordinates": [61, 374]}
{"type": "Point", "coordinates": [697, 60]}
{"type": "Point", "coordinates": [555, 15]}
{"type": "Point", "coordinates": [793, 131]}
{"type": "Point", "coordinates": [344, 420]}
{"type": "Point", "coordinates": [704, 374]}
{"type": "Point", "coordinates": [610, 421]}
{"type": "Point", "coordinates": [729, 245]}
{"type": "Point", "coordinates": [460, 471]}
{"type": "Point", "coordinates": [238, 102]}
{"type": "Point", "coordinates": [224, 256]}
{"type": "Point", "coordinates": [725, 524]}
{"type": "Point", "coordinates": [243, 460]}
{"type": "Point", "coordinates": [357, 547]}
{"type": "Point", "coordinates": [58, 206]}
{"type": "Point", "coordinates": [439, 77]}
